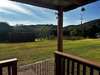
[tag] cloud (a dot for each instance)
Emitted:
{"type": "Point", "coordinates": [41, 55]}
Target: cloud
{"type": "Point", "coordinates": [39, 11]}
{"type": "Point", "coordinates": [20, 12]}
{"type": "Point", "coordinates": [6, 4]}
{"type": "Point", "coordinates": [5, 11]}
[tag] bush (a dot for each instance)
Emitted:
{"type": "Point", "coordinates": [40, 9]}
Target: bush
{"type": "Point", "coordinates": [21, 37]}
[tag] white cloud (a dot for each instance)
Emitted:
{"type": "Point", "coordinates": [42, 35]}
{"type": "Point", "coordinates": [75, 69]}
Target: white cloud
{"type": "Point", "coordinates": [68, 22]}
{"type": "Point", "coordinates": [43, 11]}
{"type": "Point", "coordinates": [3, 10]}
{"type": "Point", "coordinates": [13, 6]}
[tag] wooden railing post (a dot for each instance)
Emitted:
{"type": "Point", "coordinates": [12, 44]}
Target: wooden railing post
{"type": "Point", "coordinates": [59, 65]}
{"type": "Point", "coordinates": [11, 64]}
{"type": "Point", "coordinates": [9, 70]}
{"type": "Point", "coordinates": [0, 70]}
{"type": "Point", "coordinates": [14, 68]}
{"type": "Point", "coordinates": [72, 68]}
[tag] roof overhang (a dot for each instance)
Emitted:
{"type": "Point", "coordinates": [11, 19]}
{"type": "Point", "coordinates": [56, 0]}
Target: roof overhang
{"type": "Point", "coordinates": [55, 4]}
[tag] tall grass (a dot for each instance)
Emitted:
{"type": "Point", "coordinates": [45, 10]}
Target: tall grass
{"type": "Point", "coordinates": [30, 52]}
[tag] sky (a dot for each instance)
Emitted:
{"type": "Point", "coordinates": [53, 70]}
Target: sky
{"type": "Point", "coordinates": [19, 13]}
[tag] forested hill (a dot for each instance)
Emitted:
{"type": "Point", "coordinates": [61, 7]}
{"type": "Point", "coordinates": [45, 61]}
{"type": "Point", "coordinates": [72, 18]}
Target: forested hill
{"type": "Point", "coordinates": [88, 29]}
{"type": "Point", "coordinates": [48, 31]}
{"type": "Point", "coordinates": [40, 31]}
{"type": "Point", "coordinates": [96, 21]}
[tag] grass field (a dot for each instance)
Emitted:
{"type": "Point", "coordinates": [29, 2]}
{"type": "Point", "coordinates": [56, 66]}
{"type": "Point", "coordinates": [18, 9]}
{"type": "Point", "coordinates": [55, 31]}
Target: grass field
{"type": "Point", "coordinates": [33, 51]}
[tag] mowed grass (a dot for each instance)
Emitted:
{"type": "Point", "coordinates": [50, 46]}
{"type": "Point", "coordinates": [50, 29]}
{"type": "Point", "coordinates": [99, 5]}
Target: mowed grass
{"type": "Point", "coordinates": [31, 52]}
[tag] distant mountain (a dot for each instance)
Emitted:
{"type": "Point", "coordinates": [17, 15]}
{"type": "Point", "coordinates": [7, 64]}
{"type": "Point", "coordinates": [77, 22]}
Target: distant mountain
{"type": "Point", "coordinates": [47, 31]}
{"type": "Point", "coordinates": [88, 29]}
{"type": "Point", "coordinates": [96, 21]}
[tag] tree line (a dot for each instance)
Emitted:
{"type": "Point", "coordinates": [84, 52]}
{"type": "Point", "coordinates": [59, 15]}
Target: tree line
{"type": "Point", "coordinates": [89, 29]}
{"type": "Point", "coordinates": [24, 33]}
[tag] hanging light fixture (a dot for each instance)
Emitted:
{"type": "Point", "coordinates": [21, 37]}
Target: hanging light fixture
{"type": "Point", "coordinates": [82, 10]}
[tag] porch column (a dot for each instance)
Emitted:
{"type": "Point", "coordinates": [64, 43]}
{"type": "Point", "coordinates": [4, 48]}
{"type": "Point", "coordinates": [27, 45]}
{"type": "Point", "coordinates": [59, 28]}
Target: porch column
{"type": "Point", "coordinates": [60, 30]}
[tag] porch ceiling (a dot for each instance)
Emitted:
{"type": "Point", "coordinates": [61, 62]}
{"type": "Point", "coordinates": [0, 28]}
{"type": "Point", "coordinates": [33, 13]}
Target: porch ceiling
{"type": "Point", "coordinates": [55, 4]}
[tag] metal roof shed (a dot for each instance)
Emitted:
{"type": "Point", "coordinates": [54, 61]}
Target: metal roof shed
{"type": "Point", "coordinates": [60, 6]}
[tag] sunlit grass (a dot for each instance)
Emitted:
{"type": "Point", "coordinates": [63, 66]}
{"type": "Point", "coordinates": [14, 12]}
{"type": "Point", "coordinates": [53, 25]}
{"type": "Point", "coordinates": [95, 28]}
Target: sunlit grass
{"type": "Point", "coordinates": [88, 48]}
{"type": "Point", "coordinates": [30, 52]}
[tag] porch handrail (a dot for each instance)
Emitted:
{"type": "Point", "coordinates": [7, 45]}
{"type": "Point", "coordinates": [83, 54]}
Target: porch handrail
{"type": "Point", "coordinates": [60, 58]}
{"type": "Point", "coordinates": [11, 64]}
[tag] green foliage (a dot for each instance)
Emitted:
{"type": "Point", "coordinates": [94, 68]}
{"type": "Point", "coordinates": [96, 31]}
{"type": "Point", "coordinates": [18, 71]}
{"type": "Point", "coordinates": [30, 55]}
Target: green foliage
{"type": "Point", "coordinates": [49, 31]}
{"type": "Point", "coordinates": [45, 31]}
{"type": "Point", "coordinates": [21, 34]}
{"type": "Point", "coordinates": [4, 30]}
{"type": "Point", "coordinates": [4, 27]}
{"type": "Point", "coordinates": [88, 29]}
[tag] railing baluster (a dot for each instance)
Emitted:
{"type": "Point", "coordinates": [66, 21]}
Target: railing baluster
{"type": "Point", "coordinates": [0, 70]}
{"type": "Point", "coordinates": [9, 70]}
{"type": "Point", "coordinates": [84, 69]}
{"type": "Point", "coordinates": [68, 67]}
{"type": "Point", "coordinates": [45, 68]}
{"type": "Point", "coordinates": [57, 65]}
{"type": "Point", "coordinates": [14, 68]}
{"type": "Point", "coordinates": [40, 69]}
{"type": "Point", "coordinates": [72, 67]}
{"type": "Point", "coordinates": [78, 69]}
{"type": "Point", "coordinates": [62, 66]}
{"type": "Point", "coordinates": [91, 71]}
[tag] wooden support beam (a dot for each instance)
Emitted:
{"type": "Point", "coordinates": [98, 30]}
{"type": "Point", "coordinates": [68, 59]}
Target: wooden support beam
{"type": "Point", "coordinates": [60, 30]}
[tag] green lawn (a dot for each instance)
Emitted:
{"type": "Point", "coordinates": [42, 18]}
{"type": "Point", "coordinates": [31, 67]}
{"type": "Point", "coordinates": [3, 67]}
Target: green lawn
{"type": "Point", "coordinates": [33, 51]}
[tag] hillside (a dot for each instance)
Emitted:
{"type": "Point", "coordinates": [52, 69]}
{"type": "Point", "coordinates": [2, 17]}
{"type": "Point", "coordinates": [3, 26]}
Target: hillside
{"type": "Point", "coordinates": [88, 29]}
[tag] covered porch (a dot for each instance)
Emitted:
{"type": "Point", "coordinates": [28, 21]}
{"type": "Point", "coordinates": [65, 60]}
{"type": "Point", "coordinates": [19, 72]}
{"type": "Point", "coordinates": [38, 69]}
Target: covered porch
{"type": "Point", "coordinates": [64, 64]}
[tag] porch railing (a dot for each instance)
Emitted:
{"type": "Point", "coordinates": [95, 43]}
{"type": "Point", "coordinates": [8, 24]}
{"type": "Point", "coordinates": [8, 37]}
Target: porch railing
{"type": "Point", "coordinates": [11, 65]}
{"type": "Point", "coordinates": [66, 64]}
{"type": "Point", "coordinates": [44, 67]}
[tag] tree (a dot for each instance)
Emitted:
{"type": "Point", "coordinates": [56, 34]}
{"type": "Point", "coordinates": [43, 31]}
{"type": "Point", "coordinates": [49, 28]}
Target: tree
{"type": "Point", "coordinates": [4, 30]}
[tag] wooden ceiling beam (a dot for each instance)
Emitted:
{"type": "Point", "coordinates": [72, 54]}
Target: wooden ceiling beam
{"type": "Point", "coordinates": [54, 4]}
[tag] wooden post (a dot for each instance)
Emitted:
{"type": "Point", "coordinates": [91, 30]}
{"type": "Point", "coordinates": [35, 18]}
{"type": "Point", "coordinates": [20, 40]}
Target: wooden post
{"type": "Point", "coordinates": [14, 68]}
{"type": "Point", "coordinates": [60, 30]}
{"type": "Point", "coordinates": [60, 63]}
{"type": "Point", "coordinates": [0, 70]}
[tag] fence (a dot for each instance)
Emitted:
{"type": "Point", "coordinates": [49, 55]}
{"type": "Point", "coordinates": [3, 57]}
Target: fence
{"type": "Point", "coordinates": [71, 65]}
{"type": "Point", "coordinates": [44, 67]}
